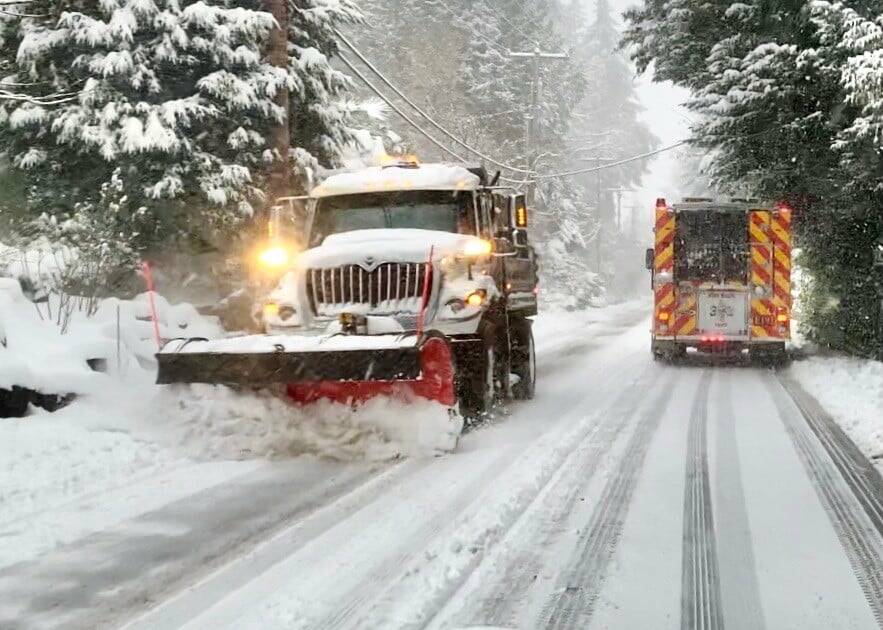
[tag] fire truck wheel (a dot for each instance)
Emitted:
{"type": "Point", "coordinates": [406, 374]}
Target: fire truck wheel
{"type": "Point", "coordinates": [769, 355]}
{"type": "Point", "coordinates": [658, 354]}
{"type": "Point", "coordinates": [524, 361]}
{"type": "Point", "coordinates": [678, 352]}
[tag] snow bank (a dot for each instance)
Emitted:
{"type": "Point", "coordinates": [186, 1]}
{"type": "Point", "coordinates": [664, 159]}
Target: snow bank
{"type": "Point", "coordinates": [136, 329]}
{"type": "Point", "coordinates": [34, 354]}
{"type": "Point", "coordinates": [851, 390]}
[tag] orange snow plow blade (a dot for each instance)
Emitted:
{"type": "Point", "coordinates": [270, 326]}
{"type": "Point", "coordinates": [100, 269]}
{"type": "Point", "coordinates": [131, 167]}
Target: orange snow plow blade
{"type": "Point", "coordinates": [344, 370]}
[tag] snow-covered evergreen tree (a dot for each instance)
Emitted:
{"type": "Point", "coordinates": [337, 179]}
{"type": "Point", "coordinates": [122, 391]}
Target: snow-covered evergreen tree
{"type": "Point", "coordinates": [321, 115]}
{"type": "Point", "coordinates": [174, 97]}
{"type": "Point", "coordinates": [174, 100]}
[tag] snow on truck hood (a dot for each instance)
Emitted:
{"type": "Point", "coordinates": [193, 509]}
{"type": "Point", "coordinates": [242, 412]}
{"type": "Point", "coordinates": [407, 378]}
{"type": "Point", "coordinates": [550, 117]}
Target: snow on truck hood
{"type": "Point", "coordinates": [377, 178]}
{"type": "Point", "coordinates": [383, 245]}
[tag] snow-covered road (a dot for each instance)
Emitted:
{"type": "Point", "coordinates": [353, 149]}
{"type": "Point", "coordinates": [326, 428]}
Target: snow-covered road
{"type": "Point", "coordinates": [628, 494]}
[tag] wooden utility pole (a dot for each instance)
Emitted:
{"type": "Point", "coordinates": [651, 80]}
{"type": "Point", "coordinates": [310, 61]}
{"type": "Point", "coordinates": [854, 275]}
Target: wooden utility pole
{"type": "Point", "coordinates": [878, 267]}
{"type": "Point", "coordinates": [532, 117]}
{"type": "Point", "coordinates": [280, 175]}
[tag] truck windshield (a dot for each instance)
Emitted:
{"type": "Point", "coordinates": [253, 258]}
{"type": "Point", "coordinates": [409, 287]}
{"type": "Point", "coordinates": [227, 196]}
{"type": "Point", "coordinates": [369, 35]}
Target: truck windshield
{"type": "Point", "coordinates": [711, 246]}
{"type": "Point", "coordinates": [443, 210]}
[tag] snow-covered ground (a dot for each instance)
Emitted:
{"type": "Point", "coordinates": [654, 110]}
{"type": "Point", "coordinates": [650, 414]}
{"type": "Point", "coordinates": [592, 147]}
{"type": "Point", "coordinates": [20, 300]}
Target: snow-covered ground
{"type": "Point", "coordinates": [851, 390]}
{"type": "Point", "coordinates": [195, 507]}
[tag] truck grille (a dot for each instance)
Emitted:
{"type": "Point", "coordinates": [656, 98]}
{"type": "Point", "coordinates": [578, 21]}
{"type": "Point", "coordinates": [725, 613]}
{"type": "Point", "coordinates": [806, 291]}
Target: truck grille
{"type": "Point", "coordinates": [387, 289]}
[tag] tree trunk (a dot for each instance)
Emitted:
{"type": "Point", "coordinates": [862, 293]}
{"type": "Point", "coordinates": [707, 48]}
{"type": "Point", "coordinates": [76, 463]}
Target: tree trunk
{"type": "Point", "coordinates": [280, 176]}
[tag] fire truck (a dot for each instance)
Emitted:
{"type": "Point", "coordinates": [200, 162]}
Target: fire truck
{"type": "Point", "coordinates": [721, 278]}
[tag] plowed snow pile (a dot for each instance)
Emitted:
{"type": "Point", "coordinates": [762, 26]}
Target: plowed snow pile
{"type": "Point", "coordinates": [215, 422]}
{"type": "Point", "coordinates": [123, 433]}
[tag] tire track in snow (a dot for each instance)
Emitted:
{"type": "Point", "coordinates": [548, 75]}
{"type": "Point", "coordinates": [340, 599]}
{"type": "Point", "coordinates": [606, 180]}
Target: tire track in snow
{"type": "Point", "coordinates": [700, 572]}
{"type": "Point", "coordinates": [379, 579]}
{"type": "Point", "coordinates": [546, 518]}
{"type": "Point", "coordinates": [740, 590]}
{"type": "Point", "coordinates": [859, 474]}
{"type": "Point", "coordinates": [840, 489]}
{"type": "Point", "coordinates": [573, 604]}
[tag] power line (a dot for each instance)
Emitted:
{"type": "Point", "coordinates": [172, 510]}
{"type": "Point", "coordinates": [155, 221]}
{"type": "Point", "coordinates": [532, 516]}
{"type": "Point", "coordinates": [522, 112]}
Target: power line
{"type": "Point", "coordinates": [431, 121]}
{"type": "Point", "coordinates": [386, 100]}
{"type": "Point", "coordinates": [633, 158]}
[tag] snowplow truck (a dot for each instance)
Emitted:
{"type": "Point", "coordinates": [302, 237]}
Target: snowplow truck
{"type": "Point", "coordinates": [721, 278]}
{"type": "Point", "coordinates": [414, 280]}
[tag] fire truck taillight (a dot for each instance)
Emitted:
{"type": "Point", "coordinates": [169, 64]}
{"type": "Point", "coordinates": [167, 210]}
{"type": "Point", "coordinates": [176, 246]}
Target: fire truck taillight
{"type": "Point", "coordinates": [782, 318]}
{"type": "Point", "coordinates": [663, 316]}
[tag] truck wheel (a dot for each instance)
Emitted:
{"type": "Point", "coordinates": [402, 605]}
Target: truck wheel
{"type": "Point", "coordinates": [477, 378]}
{"type": "Point", "coordinates": [658, 354]}
{"type": "Point", "coordinates": [771, 355]}
{"type": "Point", "coordinates": [678, 353]}
{"type": "Point", "coordinates": [13, 402]}
{"type": "Point", "coordinates": [524, 360]}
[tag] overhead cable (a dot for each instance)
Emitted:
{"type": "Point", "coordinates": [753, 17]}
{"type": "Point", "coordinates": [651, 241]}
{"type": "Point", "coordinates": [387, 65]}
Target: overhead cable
{"type": "Point", "coordinates": [407, 118]}
{"type": "Point", "coordinates": [602, 167]}
{"type": "Point", "coordinates": [417, 108]}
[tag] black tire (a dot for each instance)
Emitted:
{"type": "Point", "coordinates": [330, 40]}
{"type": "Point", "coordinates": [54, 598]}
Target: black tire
{"type": "Point", "coordinates": [678, 353]}
{"type": "Point", "coordinates": [476, 376]}
{"type": "Point", "coordinates": [14, 402]}
{"type": "Point", "coordinates": [524, 360]}
{"type": "Point", "coordinates": [769, 356]}
{"type": "Point", "coordinates": [658, 354]}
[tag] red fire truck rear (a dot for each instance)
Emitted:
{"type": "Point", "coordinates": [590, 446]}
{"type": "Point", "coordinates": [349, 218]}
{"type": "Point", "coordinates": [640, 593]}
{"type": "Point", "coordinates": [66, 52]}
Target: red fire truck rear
{"type": "Point", "coordinates": [721, 278]}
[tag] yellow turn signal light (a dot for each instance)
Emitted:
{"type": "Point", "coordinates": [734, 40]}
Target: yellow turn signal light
{"type": "Point", "coordinates": [477, 247]}
{"type": "Point", "coordinates": [476, 298]}
{"type": "Point", "coordinates": [663, 316]}
{"type": "Point", "coordinates": [782, 317]}
{"type": "Point", "coordinates": [274, 257]}
{"type": "Point", "coordinates": [271, 310]}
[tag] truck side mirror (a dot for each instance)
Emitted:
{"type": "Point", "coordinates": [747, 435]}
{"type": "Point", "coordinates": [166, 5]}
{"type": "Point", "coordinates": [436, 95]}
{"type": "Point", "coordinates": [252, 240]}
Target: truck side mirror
{"type": "Point", "coordinates": [649, 257]}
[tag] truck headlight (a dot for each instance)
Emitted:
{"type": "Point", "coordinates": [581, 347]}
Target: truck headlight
{"type": "Point", "coordinates": [274, 257]}
{"type": "Point", "coordinates": [477, 247]}
{"type": "Point", "coordinates": [476, 298]}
